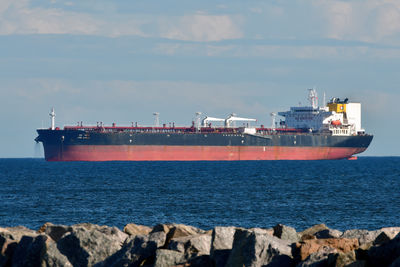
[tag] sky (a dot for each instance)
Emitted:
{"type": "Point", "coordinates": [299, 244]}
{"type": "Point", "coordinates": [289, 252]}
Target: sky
{"type": "Point", "coordinates": [120, 61]}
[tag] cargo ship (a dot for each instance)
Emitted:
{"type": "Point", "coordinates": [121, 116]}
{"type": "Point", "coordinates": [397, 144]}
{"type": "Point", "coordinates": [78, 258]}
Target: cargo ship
{"type": "Point", "coordinates": [332, 131]}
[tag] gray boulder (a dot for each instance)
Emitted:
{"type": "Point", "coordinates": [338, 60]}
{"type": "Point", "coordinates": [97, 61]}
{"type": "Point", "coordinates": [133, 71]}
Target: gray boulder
{"type": "Point", "coordinates": [88, 244]}
{"type": "Point", "coordinates": [175, 231]}
{"type": "Point", "coordinates": [221, 244]}
{"type": "Point", "coordinates": [286, 233]}
{"type": "Point", "coordinates": [28, 251]}
{"type": "Point", "coordinates": [341, 259]}
{"type": "Point", "coordinates": [192, 246]}
{"type": "Point", "coordinates": [313, 230]}
{"type": "Point", "coordinates": [257, 248]}
{"type": "Point", "coordinates": [54, 231]}
{"type": "Point", "coordinates": [328, 233]}
{"type": "Point", "coordinates": [9, 239]}
{"type": "Point", "coordinates": [165, 257]}
{"type": "Point", "coordinates": [385, 254]}
{"type": "Point", "coordinates": [138, 250]}
{"type": "Point", "coordinates": [364, 236]}
{"type": "Point", "coordinates": [40, 250]}
{"type": "Point", "coordinates": [51, 256]}
{"type": "Point", "coordinates": [386, 234]}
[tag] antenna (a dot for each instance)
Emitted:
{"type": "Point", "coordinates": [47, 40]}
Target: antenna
{"type": "Point", "coordinates": [156, 119]}
{"type": "Point", "coordinates": [53, 119]}
{"type": "Point", "coordinates": [324, 100]}
{"type": "Point", "coordinates": [198, 120]}
{"type": "Point", "coordinates": [273, 118]}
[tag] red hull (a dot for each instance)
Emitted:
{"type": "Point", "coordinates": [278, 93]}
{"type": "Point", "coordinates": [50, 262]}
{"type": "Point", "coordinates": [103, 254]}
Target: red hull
{"type": "Point", "coordinates": [194, 153]}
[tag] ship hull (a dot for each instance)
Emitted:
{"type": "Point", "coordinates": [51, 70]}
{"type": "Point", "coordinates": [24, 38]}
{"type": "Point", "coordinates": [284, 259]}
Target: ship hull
{"type": "Point", "coordinates": [71, 145]}
{"type": "Point", "coordinates": [194, 153]}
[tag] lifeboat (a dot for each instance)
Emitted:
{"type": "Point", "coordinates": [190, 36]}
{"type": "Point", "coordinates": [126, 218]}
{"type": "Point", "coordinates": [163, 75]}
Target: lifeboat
{"type": "Point", "coordinates": [337, 122]}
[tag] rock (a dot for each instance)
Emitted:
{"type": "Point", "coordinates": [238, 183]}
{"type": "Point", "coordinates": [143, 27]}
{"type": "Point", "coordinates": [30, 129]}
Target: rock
{"type": "Point", "coordinates": [9, 238]}
{"type": "Point", "coordinates": [16, 233]}
{"type": "Point", "coordinates": [165, 257]}
{"type": "Point", "coordinates": [39, 250]}
{"type": "Point", "coordinates": [386, 234]}
{"type": "Point", "coordinates": [307, 237]}
{"type": "Point", "coordinates": [176, 230]}
{"type": "Point", "coordinates": [200, 261]}
{"type": "Point", "coordinates": [51, 256]}
{"type": "Point", "coordinates": [396, 263]}
{"type": "Point", "coordinates": [286, 233]}
{"type": "Point", "coordinates": [328, 233]}
{"type": "Point", "coordinates": [319, 258]}
{"type": "Point", "coordinates": [137, 251]}
{"type": "Point", "coordinates": [308, 247]}
{"type": "Point", "coordinates": [221, 244]}
{"type": "Point", "coordinates": [385, 254]}
{"type": "Point", "coordinates": [135, 229]}
{"type": "Point", "coordinates": [314, 229]}
{"type": "Point", "coordinates": [222, 238]}
{"type": "Point", "coordinates": [87, 244]}
{"type": "Point", "coordinates": [343, 259]}
{"type": "Point", "coordinates": [363, 236]}
{"type": "Point", "coordinates": [192, 246]}
{"type": "Point", "coordinates": [28, 250]}
{"type": "Point", "coordinates": [54, 231]}
{"type": "Point", "coordinates": [257, 248]}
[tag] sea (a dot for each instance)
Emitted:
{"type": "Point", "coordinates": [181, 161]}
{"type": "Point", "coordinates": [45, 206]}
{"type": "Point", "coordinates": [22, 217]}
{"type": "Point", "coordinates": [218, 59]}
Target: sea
{"type": "Point", "coordinates": [343, 194]}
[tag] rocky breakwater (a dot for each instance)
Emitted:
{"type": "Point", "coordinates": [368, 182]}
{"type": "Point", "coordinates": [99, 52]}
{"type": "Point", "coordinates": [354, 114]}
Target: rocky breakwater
{"type": "Point", "coordinates": [183, 245]}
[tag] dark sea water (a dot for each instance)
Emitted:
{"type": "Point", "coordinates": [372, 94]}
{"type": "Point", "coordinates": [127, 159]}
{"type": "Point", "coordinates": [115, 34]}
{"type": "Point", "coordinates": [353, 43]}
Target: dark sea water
{"type": "Point", "coordinates": [342, 194]}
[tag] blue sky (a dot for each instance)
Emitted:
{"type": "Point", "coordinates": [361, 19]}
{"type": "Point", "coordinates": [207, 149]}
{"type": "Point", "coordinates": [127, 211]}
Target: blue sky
{"type": "Point", "coordinates": [120, 61]}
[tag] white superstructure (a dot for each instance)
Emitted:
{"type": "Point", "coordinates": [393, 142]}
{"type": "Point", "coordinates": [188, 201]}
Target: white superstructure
{"type": "Point", "coordinates": [338, 117]}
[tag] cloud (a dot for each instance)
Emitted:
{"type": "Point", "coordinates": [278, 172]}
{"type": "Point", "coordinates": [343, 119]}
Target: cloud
{"type": "Point", "coordinates": [202, 28]}
{"type": "Point", "coordinates": [18, 17]}
{"type": "Point", "coordinates": [369, 20]}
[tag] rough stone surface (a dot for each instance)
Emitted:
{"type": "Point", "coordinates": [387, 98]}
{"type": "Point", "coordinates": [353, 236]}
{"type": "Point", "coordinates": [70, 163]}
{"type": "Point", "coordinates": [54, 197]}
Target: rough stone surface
{"type": "Point", "coordinates": [9, 239]}
{"type": "Point", "coordinates": [51, 256]}
{"type": "Point", "coordinates": [54, 231]}
{"type": "Point", "coordinates": [40, 250]}
{"type": "Point", "coordinates": [308, 247]}
{"type": "Point", "coordinates": [85, 244]}
{"type": "Point", "coordinates": [222, 238]}
{"type": "Point", "coordinates": [176, 230]}
{"type": "Point", "coordinates": [385, 254]}
{"type": "Point", "coordinates": [136, 229]}
{"type": "Point", "coordinates": [137, 251]}
{"type": "Point", "coordinates": [192, 246]}
{"type": "Point", "coordinates": [99, 246]}
{"type": "Point", "coordinates": [16, 233]}
{"type": "Point", "coordinates": [343, 259]}
{"type": "Point", "coordinates": [165, 257]}
{"type": "Point", "coordinates": [319, 258]}
{"type": "Point", "coordinates": [328, 233]}
{"type": "Point", "coordinates": [286, 233]}
{"type": "Point", "coordinates": [386, 234]}
{"type": "Point", "coordinates": [27, 253]}
{"type": "Point", "coordinates": [257, 248]}
{"type": "Point", "coordinates": [395, 263]}
{"type": "Point", "coordinates": [221, 244]}
{"type": "Point", "coordinates": [314, 229]}
{"type": "Point", "coordinates": [363, 236]}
